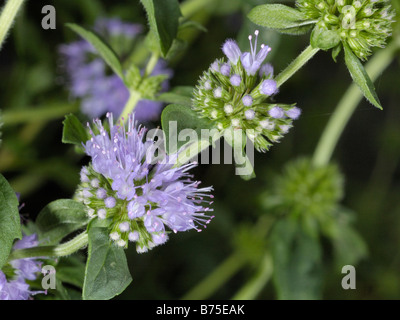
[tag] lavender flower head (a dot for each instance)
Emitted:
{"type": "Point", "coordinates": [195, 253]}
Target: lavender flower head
{"type": "Point", "coordinates": [237, 94]}
{"type": "Point", "coordinates": [89, 79]}
{"type": "Point", "coordinates": [143, 199]}
{"type": "Point", "coordinates": [16, 288]}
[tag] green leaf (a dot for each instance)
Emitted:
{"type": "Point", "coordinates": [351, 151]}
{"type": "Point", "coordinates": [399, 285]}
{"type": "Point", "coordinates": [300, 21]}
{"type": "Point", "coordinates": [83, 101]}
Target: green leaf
{"type": "Point", "coordinates": [73, 131]}
{"type": "Point", "coordinates": [71, 270]}
{"type": "Point", "coordinates": [107, 273]}
{"type": "Point", "coordinates": [10, 225]}
{"type": "Point", "coordinates": [163, 17]}
{"type": "Point", "coordinates": [178, 95]}
{"type": "Point", "coordinates": [335, 51]}
{"type": "Point", "coordinates": [361, 77]}
{"type": "Point", "coordinates": [175, 118]}
{"type": "Point", "coordinates": [177, 48]}
{"type": "Point", "coordinates": [349, 246]}
{"type": "Point", "coordinates": [297, 262]}
{"type": "Point", "coordinates": [323, 38]}
{"type": "Point", "coordinates": [104, 50]}
{"type": "Point", "coordinates": [60, 218]}
{"type": "Point", "coordinates": [282, 18]}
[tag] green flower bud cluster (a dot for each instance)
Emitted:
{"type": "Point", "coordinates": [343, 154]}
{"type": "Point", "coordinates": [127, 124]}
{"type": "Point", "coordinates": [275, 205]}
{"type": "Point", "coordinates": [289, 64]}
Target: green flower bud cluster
{"type": "Point", "coordinates": [361, 24]}
{"type": "Point", "coordinates": [306, 192]}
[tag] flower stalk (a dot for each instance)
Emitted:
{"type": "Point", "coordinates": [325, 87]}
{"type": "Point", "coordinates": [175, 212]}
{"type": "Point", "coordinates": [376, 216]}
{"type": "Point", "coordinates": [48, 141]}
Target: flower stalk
{"type": "Point", "coordinates": [296, 65]}
{"type": "Point", "coordinates": [61, 250]}
{"type": "Point", "coordinates": [135, 95]}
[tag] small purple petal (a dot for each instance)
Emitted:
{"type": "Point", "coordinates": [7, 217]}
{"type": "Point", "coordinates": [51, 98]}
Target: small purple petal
{"type": "Point", "coordinates": [276, 112]}
{"type": "Point", "coordinates": [226, 69]}
{"type": "Point", "coordinates": [294, 113]}
{"type": "Point", "coordinates": [247, 100]}
{"type": "Point", "coordinates": [232, 51]}
{"type": "Point", "coordinates": [268, 87]}
{"type": "Point", "coordinates": [266, 70]}
{"type": "Point", "coordinates": [110, 202]}
{"type": "Point", "coordinates": [235, 80]}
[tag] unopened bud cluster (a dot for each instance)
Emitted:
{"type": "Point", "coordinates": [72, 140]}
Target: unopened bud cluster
{"type": "Point", "coordinates": [236, 93]}
{"type": "Point", "coordinates": [362, 24]}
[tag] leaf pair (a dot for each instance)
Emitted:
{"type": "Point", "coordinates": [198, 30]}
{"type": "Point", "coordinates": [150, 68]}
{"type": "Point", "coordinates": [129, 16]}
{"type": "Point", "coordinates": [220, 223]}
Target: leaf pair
{"type": "Point", "coordinates": [291, 21]}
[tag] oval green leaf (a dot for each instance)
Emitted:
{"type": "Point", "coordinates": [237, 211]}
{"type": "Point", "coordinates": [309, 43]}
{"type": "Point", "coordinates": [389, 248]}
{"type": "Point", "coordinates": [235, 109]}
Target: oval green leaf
{"type": "Point", "coordinates": [282, 18]}
{"type": "Point", "coordinates": [60, 218]}
{"type": "Point", "coordinates": [361, 77]}
{"type": "Point", "coordinates": [107, 273]}
{"type": "Point", "coordinates": [104, 50]}
{"type": "Point", "coordinates": [10, 225]}
{"type": "Point", "coordinates": [163, 17]}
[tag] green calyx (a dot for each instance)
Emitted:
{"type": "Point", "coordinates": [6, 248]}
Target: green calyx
{"type": "Point", "coordinates": [361, 24]}
{"type": "Point", "coordinates": [94, 191]}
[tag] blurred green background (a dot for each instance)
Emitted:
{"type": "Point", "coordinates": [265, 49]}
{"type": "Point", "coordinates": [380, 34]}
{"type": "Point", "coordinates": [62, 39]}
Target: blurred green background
{"type": "Point", "coordinates": [33, 100]}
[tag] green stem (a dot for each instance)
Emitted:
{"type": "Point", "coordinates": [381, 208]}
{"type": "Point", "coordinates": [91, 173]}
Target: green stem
{"type": "Point", "coordinates": [135, 96]}
{"type": "Point", "coordinates": [34, 114]}
{"type": "Point", "coordinates": [295, 65]}
{"type": "Point", "coordinates": [61, 250]}
{"type": "Point", "coordinates": [7, 17]}
{"type": "Point", "coordinates": [347, 106]}
{"type": "Point", "coordinates": [252, 288]}
{"type": "Point", "coordinates": [217, 278]}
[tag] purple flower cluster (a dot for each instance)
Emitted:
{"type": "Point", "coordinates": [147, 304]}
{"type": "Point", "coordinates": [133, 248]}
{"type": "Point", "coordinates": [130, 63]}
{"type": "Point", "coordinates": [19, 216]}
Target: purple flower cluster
{"type": "Point", "coordinates": [140, 193]}
{"type": "Point", "coordinates": [25, 269]}
{"type": "Point", "coordinates": [237, 94]}
{"type": "Point", "coordinates": [89, 80]}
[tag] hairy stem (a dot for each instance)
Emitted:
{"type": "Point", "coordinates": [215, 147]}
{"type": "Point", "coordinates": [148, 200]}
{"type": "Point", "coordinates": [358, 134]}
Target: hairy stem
{"type": "Point", "coordinates": [7, 17]}
{"type": "Point", "coordinates": [61, 250]}
{"type": "Point", "coordinates": [135, 96]}
{"type": "Point", "coordinates": [348, 104]}
{"type": "Point", "coordinates": [295, 65]}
